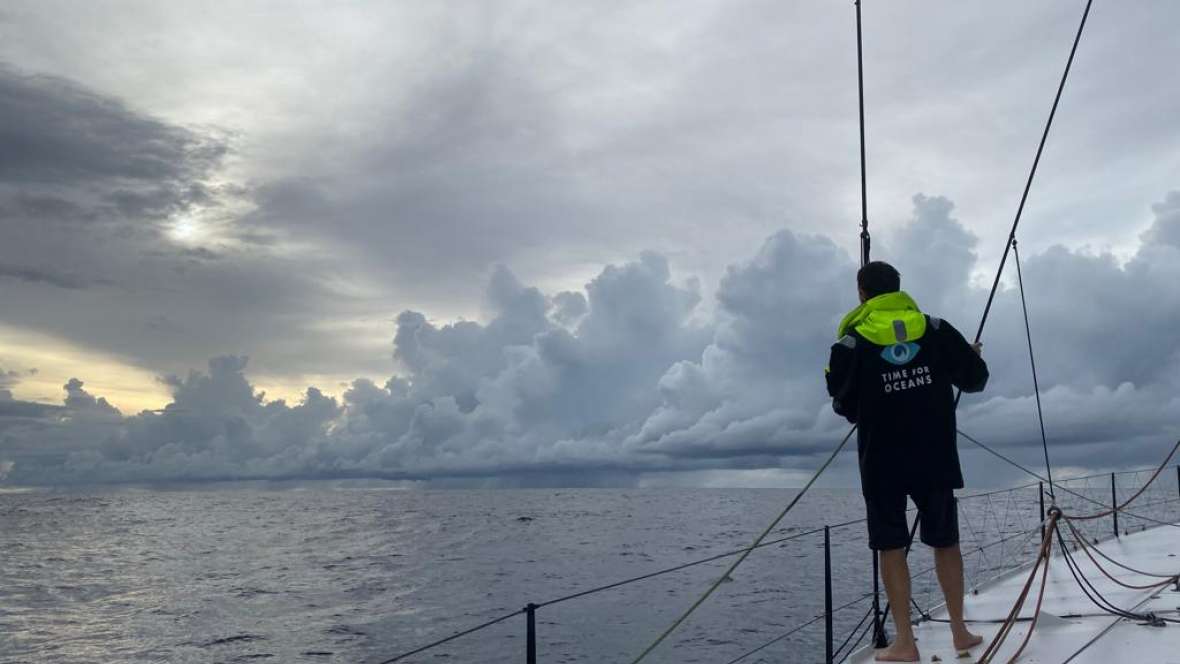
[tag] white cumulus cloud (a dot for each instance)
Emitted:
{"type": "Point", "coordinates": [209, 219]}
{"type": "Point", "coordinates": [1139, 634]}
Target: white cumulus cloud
{"type": "Point", "coordinates": [624, 378]}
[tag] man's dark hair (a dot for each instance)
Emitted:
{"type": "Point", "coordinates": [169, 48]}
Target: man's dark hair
{"type": "Point", "coordinates": [877, 278]}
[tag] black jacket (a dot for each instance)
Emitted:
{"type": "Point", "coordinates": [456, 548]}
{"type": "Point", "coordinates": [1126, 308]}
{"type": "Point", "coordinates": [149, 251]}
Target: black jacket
{"type": "Point", "coordinates": [903, 402]}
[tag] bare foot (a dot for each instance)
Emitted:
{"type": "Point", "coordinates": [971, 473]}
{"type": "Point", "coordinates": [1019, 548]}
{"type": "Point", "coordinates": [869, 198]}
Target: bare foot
{"type": "Point", "coordinates": [966, 640]}
{"type": "Point", "coordinates": [896, 653]}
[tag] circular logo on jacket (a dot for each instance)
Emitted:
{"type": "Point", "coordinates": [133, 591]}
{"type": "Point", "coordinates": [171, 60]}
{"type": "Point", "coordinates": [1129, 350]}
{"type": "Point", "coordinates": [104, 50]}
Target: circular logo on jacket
{"type": "Point", "coordinates": [900, 354]}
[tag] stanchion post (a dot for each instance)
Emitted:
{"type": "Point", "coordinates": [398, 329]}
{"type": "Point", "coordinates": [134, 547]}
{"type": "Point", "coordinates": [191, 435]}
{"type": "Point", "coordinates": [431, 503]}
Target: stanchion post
{"type": "Point", "coordinates": [830, 657]}
{"type": "Point", "coordinates": [1041, 496]}
{"type": "Point", "coordinates": [530, 648]}
{"type": "Point", "coordinates": [1114, 503]}
{"type": "Point", "coordinates": [879, 638]}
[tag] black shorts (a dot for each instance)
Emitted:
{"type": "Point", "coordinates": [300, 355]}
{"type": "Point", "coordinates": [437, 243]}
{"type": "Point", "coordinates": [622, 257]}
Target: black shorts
{"type": "Point", "coordinates": [888, 528]}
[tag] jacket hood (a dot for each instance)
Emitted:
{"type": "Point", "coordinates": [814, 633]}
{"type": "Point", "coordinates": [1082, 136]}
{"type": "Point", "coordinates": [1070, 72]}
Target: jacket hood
{"type": "Point", "coordinates": [886, 319]}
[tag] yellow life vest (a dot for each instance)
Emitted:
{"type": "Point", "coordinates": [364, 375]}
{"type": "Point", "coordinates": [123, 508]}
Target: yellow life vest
{"type": "Point", "coordinates": [886, 319]}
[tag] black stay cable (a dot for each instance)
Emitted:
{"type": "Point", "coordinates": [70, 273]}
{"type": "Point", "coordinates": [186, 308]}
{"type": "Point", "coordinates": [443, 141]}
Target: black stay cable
{"type": "Point", "coordinates": [1032, 172]}
{"type": "Point", "coordinates": [991, 296]}
{"type": "Point", "coordinates": [1033, 363]}
{"type": "Point", "coordinates": [864, 197]}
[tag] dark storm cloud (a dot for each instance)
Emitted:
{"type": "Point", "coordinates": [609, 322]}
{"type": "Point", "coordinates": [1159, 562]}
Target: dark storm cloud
{"type": "Point", "coordinates": [463, 173]}
{"type": "Point", "coordinates": [91, 188]}
{"type": "Point", "coordinates": [570, 132]}
{"type": "Point", "coordinates": [55, 132]}
{"type": "Point", "coordinates": [376, 171]}
{"type": "Point", "coordinates": [40, 275]}
{"type": "Point", "coordinates": [80, 171]}
{"type": "Point", "coordinates": [1166, 229]}
{"type": "Point", "coordinates": [13, 410]}
{"type": "Point", "coordinates": [49, 208]}
{"type": "Point", "coordinates": [637, 386]}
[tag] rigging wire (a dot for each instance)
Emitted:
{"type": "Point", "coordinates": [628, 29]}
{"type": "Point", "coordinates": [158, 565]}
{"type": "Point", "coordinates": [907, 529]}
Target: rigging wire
{"type": "Point", "coordinates": [864, 196]}
{"type": "Point", "coordinates": [1033, 171]}
{"type": "Point", "coordinates": [1033, 364]}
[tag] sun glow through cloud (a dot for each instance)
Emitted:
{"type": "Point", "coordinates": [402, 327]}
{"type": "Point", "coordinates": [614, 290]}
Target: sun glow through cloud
{"type": "Point", "coordinates": [186, 229]}
{"type": "Point", "coordinates": [129, 388]}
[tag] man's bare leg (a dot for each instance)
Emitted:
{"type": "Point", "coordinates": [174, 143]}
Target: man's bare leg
{"type": "Point", "coordinates": [895, 572]}
{"type": "Point", "coordinates": [948, 562]}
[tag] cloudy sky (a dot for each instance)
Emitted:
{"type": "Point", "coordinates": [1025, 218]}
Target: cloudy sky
{"type": "Point", "coordinates": [522, 243]}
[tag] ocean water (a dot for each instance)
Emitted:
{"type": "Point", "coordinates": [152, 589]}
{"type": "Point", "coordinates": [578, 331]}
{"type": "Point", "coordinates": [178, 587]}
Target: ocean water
{"type": "Point", "coordinates": [328, 574]}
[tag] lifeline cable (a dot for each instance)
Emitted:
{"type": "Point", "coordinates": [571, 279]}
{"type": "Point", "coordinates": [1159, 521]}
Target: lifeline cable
{"type": "Point", "coordinates": [454, 636]}
{"type": "Point", "coordinates": [1122, 509]}
{"type": "Point", "coordinates": [716, 584]}
{"type": "Point", "coordinates": [1119, 508]}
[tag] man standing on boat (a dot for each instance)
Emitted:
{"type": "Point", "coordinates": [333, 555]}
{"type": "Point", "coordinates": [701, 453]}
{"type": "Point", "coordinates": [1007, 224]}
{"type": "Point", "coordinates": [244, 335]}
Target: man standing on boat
{"type": "Point", "coordinates": [892, 372]}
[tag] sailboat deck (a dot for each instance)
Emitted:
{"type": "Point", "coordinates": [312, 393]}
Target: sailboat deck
{"type": "Point", "coordinates": [1071, 628]}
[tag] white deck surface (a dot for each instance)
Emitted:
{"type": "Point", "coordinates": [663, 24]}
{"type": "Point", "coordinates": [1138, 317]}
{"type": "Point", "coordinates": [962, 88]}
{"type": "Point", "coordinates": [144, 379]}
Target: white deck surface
{"type": "Point", "coordinates": [1094, 637]}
